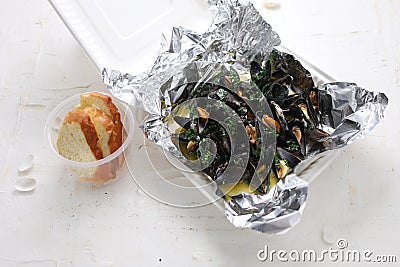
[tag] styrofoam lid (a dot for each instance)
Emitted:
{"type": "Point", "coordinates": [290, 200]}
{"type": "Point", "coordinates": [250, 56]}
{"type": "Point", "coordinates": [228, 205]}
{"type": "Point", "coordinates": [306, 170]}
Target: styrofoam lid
{"type": "Point", "coordinates": [126, 35]}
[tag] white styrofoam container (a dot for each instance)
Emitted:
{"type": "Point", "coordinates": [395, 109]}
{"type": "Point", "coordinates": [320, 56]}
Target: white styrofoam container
{"type": "Point", "coordinates": [125, 35]}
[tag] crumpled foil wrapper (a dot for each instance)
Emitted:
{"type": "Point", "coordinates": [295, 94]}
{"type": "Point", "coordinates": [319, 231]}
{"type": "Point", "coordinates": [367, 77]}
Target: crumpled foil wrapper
{"type": "Point", "coordinates": [349, 112]}
{"type": "Point", "coordinates": [238, 36]}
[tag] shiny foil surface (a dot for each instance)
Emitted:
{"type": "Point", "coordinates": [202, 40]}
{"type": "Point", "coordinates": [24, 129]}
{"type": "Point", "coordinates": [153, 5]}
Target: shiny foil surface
{"type": "Point", "coordinates": [238, 36]}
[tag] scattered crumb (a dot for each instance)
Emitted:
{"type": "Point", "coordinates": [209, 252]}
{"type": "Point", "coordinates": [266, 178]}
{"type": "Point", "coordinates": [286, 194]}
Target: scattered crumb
{"type": "Point", "coordinates": [272, 5]}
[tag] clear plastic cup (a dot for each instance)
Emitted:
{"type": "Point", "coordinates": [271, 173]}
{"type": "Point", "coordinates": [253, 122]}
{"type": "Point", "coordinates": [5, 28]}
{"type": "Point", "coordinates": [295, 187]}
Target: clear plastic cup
{"type": "Point", "coordinates": [99, 171]}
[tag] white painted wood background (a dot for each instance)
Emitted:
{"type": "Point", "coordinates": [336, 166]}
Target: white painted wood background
{"type": "Point", "coordinates": [60, 224]}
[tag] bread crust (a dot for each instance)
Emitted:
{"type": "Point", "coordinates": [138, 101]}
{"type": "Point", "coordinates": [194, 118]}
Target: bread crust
{"type": "Point", "coordinates": [111, 110]}
{"type": "Point", "coordinates": [101, 117]}
{"type": "Point", "coordinates": [87, 127]}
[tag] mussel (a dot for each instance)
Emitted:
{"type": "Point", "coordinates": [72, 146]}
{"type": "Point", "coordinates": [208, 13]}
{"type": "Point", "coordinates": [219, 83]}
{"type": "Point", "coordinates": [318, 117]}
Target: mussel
{"type": "Point", "coordinates": [293, 100]}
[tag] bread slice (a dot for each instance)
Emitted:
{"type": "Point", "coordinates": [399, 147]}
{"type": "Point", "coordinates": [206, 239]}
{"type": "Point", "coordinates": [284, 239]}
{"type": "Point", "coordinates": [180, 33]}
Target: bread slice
{"type": "Point", "coordinates": [92, 131]}
{"type": "Point", "coordinates": [104, 129]}
{"type": "Point", "coordinates": [77, 138]}
{"type": "Point", "coordinates": [105, 104]}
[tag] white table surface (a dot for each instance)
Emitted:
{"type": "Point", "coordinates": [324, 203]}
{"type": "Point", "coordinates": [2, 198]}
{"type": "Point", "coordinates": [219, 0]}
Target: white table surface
{"type": "Point", "coordinates": [64, 224]}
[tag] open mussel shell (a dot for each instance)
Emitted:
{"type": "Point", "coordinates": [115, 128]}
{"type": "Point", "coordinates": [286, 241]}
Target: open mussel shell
{"type": "Point", "coordinates": [278, 93]}
{"type": "Point", "coordinates": [313, 96]}
{"type": "Point", "coordinates": [223, 148]}
{"type": "Point", "coordinates": [261, 75]}
{"type": "Point", "coordinates": [183, 122]}
{"type": "Point", "coordinates": [287, 64]}
{"type": "Point", "coordinates": [294, 99]}
{"type": "Point", "coordinates": [317, 141]}
{"type": "Point", "coordinates": [277, 74]}
{"type": "Point", "coordinates": [289, 141]}
{"type": "Point", "coordinates": [285, 81]}
{"type": "Point", "coordinates": [294, 113]}
{"type": "Point", "coordinates": [299, 108]}
{"type": "Point", "coordinates": [234, 101]}
{"type": "Point", "coordinates": [255, 69]}
{"type": "Point", "coordinates": [187, 147]}
{"type": "Point", "coordinates": [201, 124]}
{"type": "Point", "coordinates": [291, 157]}
{"type": "Point", "coordinates": [279, 116]}
{"type": "Point", "coordinates": [298, 130]}
{"type": "Point", "coordinates": [317, 135]}
{"type": "Point", "coordinates": [225, 145]}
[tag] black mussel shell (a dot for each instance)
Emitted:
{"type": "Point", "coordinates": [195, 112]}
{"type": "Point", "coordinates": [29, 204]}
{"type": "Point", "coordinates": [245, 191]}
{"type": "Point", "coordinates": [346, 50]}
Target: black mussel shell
{"type": "Point", "coordinates": [285, 81]}
{"type": "Point", "coordinates": [317, 135]}
{"type": "Point", "coordinates": [183, 121]}
{"type": "Point", "coordinates": [292, 158]}
{"type": "Point", "coordinates": [317, 141]}
{"type": "Point", "coordinates": [289, 142]}
{"type": "Point", "coordinates": [234, 101]}
{"type": "Point", "coordinates": [261, 75]}
{"type": "Point", "coordinates": [298, 129]}
{"type": "Point", "coordinates": [278, 93]}
{"type": "Point", "coordinates": [302, 79]}
{"type": "Point", "coordinates": [279, 116]}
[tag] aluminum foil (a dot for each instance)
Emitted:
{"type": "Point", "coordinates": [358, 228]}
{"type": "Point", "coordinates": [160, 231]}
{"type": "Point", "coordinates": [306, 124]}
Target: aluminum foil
{"type": "Point", "coordinates": [238, 36]}
{"type": "Point", "coordinates": [349, 112]}
{"type": "Point", "coordinates": [275, 212]}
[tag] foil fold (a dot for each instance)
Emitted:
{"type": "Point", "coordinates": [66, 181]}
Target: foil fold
{"type": "Point", "coordinates": [238, 36]}
{"type": "Point", "coordinates": [275, 212]}
{"type": "Point", "coordinates": [349, 112]}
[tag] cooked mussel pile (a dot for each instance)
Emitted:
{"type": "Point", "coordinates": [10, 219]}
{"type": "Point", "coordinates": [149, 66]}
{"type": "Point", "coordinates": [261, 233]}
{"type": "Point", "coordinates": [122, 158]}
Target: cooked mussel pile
{"type": "Point", "coordinates": [293, 121]}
